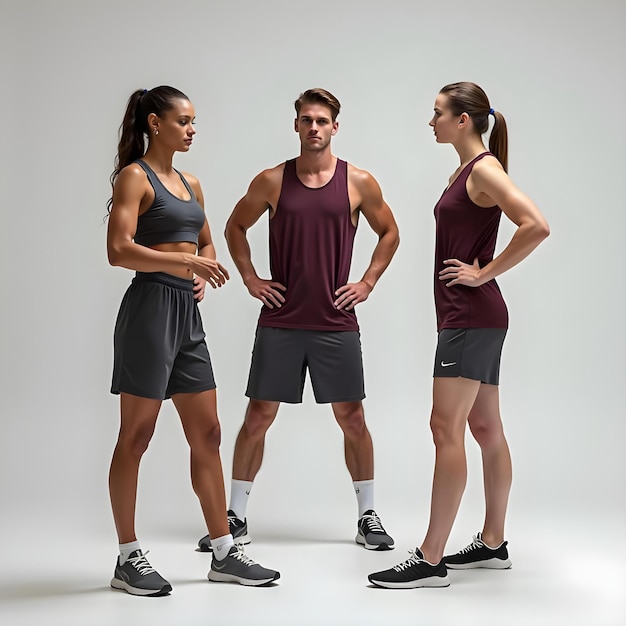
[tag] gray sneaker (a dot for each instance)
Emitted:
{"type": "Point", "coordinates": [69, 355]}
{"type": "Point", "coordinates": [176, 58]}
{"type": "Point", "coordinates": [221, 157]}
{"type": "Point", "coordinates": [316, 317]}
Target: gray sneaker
{"type": "Point", "coordinates": [371, 533]}
{"type": "Point", "coordinates": [236, 567]}
{"type": "Point", "coordinates": [138, 577]}
{"type": "Point", "coordinates": [238, 529]}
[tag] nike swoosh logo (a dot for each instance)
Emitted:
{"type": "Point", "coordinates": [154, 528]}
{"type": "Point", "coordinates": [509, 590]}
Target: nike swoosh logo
{"type": "Point", "coordinates": [218, 567]}
{"type": "Point", "coordinates": [447, 364]}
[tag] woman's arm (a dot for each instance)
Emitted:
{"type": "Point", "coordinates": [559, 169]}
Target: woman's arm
{"type": "Point", "coordinates": [490, 179]}
{"type": "Point", "coordinates": [131, 187]}
{"type": "Point", "coordinates": [206, 247]}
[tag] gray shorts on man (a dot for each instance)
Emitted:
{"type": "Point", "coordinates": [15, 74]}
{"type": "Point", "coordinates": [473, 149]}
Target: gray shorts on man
{"type": "Point", "coordinates": [281, 357]}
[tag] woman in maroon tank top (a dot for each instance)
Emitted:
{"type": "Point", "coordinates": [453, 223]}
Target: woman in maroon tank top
{"type": "Point", "coordinates": [472, 320]}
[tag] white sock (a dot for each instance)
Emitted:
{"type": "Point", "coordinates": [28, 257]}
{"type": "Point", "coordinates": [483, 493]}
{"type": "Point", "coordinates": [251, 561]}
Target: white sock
{"type": "Point", "coordinates": [126, 549]}
{"type": "Point", "coordinates": [221, 546]}
{"type": "Point", "coordinates": [364, 490]}
{"type": "Point", "coordinates": [239, 492]}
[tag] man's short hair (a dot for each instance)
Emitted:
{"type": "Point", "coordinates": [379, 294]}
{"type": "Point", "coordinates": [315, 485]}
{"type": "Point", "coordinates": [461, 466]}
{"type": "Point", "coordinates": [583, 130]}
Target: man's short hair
{"type": "Point", "coordinates": [318, 96]}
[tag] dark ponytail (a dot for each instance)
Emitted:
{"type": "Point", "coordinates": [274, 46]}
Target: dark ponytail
{"type": "Point", "coordinates": [469, 98]}
{"type": "Point", "coordinates": [499, 140]}
{"type": "Point", "coordinates": [134, 128]}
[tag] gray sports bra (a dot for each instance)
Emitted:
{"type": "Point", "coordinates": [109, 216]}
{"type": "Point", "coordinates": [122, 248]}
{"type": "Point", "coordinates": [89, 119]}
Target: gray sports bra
{"type": "Point", "coordinates": [169, 219]}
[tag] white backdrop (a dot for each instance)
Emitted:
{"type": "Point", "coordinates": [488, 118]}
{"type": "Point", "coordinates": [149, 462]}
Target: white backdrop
{"type": "Point", "coordinates": [555, 69]}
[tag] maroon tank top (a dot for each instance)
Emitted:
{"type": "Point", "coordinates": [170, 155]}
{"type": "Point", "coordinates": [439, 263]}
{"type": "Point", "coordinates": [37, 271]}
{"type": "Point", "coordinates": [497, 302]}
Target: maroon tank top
{"type": "Point", "coordinates": [311, 238]}
{"type": "Point", "coordinates": [465, 231]}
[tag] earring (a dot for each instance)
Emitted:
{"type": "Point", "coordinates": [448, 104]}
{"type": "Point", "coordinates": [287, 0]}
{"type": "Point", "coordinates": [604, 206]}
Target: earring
{"type": "Point", "coordinates": [156, 131]}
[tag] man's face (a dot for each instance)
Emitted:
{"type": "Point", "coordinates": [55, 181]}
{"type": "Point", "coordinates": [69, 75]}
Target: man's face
{"type": "Point", "coordinates": [315, 126]}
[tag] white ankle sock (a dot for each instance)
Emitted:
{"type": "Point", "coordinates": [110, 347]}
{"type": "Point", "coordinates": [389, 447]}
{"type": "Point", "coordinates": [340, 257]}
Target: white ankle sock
{"type": "Point", "coordinates": [221, 546]}
{"type": "Point", "coordinates": [126, 549]}
{"type": "Point", "coordinates": [364, 490]}
{"type": "Point", "coordinates": [239, 492]}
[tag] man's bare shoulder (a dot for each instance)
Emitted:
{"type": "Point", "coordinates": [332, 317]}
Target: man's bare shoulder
{"type": "Point", "coordinates": [362, 179]}
{"type": "Point", "coordinates": [270, 177]}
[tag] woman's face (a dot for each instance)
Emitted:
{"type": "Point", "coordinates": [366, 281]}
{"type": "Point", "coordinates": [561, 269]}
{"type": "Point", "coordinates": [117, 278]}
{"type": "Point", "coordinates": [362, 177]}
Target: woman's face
{"type": "Point", "coordinates": [444, 122]}
{"type": "Point", "coordinates": [175, 128]}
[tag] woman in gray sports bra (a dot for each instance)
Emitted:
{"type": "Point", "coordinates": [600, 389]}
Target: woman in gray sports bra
{"type": "Point", "coordinates": [157, 227]}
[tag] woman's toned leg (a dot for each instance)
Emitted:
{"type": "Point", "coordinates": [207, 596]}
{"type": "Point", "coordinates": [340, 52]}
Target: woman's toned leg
{"type": "Point", "coordinates": [453, 399]}
{"type": "Point", "coordinates": [198, 414]}
{"type": "Point", "coordinates": [138, 419]}
{"type": "Point", "coordinates": [486, 426]}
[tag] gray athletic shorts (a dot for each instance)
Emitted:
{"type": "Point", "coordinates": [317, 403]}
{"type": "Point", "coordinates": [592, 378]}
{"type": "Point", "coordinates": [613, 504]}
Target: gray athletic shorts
{"type": "Point", "coordinates": [158, 346]}
{"type": "Point", "coordinates": [281, 357]}
{"type": "Point", "coordinates": [470, 353]}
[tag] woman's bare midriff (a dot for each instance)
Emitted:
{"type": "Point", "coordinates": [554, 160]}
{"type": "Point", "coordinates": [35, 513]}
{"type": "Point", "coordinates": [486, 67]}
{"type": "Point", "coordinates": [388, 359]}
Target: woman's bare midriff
{"type": "Point", "coordinates": [179, 246]}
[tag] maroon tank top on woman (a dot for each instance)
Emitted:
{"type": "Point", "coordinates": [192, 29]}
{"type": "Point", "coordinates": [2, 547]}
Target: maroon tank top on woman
{"type": "Point", "coordinates": [311, 238]}
{"type": "Point", "coordinates": [466, 231]}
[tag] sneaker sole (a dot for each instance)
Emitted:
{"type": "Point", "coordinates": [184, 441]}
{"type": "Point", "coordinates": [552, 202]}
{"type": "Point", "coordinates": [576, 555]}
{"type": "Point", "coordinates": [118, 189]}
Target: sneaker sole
{"type": "Point", "coordinates": [433, 581]}
{"type": "Point", "coordinates": [373, 546]}
{"type": "Point", "coordinates": [487, 564]}
{"type": "Point", "coordinates": [136, 591]}
{"type": "Point", "coordinates": [244, 540]}
{"type": "Point", "coordinates": [218, 577]}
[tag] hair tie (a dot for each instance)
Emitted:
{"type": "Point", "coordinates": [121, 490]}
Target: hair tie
{"type": "Point", "coordinates": [492, 112]}
{"type": "Point", "coordinates": [145, 91]}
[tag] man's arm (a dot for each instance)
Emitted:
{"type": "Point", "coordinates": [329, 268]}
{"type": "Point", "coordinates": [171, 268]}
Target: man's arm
{"type": "Point", "coordinates": [381, 220]}
{"type": "Point", "coordinates": [262, 195]}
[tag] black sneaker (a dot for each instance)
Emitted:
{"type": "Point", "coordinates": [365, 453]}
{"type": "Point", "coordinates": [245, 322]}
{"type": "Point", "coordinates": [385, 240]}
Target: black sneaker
{"type": "Point", "coordinates": [236, 567]}
{"type": "Point", "coordinates": [138, 577]}
{"type": "Point", "coordinates": [238, 529]}
{"type": "Point", "coordinates": [371, 533]}
{"type": "Point", "coordinates": [479, 554]}
{"type": "Point", "coordinates": [414, 572]}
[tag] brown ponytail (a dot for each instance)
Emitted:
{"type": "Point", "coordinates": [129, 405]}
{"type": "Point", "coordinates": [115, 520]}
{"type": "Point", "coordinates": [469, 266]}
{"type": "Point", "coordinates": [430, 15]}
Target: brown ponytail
{"type": "Point", "coordinates": [499, 140]}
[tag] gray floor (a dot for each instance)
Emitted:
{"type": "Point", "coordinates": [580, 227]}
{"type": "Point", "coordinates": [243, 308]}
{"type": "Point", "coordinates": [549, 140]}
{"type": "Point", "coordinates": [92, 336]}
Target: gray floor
{"type": "Point", "coordinates": [564, 572]}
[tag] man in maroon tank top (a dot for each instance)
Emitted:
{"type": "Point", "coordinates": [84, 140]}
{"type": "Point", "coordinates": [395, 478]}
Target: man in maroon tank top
{"type": "Point", "coordinates": [308, 319]}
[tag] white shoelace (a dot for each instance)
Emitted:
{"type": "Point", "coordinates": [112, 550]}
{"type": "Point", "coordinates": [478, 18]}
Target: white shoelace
{"type": "Point", "coordinates": [373, 523]}
{"type": "Point", "coordinates": [476, 543]}
{"type": "Point", "coordinates": [240, 555]}
{"type": "Point", "coordinates": [140, 563]}
{"type": "Point", "coordinates": [412, 560]}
